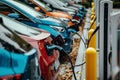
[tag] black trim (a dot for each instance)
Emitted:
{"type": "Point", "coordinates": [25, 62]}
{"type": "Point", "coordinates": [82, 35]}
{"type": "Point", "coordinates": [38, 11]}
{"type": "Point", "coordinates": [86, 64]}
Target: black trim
{"type": "Point", "coordinates": [105, 45]}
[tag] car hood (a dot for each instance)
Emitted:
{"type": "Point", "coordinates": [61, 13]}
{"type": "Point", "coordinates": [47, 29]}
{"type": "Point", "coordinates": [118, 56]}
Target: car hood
{"type": "Point", "coordinates": [52, 21]}
{"type": "Point", "coordinates": [41, 36]}
{"type": "Point", "coordinates": [59, 14]}
{"type": "Point", "coordinates": [49, 29]}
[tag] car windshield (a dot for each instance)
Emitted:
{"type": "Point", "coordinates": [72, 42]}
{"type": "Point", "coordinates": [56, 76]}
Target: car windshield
{"type": "Point", "coordinates": [19, 27]}
{"type": "Point", "coordinates": [43, 5]}
{"type": "Point", "coordinates": [11, 42]}
{"type": "Point", "coordinates": [24, 7]}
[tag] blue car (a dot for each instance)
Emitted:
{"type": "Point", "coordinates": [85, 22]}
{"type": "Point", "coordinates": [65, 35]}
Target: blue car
{"type": "Point", "coordinates": [46, 10]}
{"type": "Point", "coordinates": [29, 16]}
{"type": "Point", "coordinates": [18, 59]}
{"type": "Point", "coordinates": [59, 5]}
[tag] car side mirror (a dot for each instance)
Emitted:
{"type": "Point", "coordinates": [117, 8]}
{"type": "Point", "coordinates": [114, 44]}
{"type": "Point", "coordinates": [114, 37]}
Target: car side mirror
{"type": "Point", "coordinates": [13, 15]}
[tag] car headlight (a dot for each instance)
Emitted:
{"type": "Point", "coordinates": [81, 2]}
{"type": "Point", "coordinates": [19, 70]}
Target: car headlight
{"type": "Point", "coordinates": [60, 29]}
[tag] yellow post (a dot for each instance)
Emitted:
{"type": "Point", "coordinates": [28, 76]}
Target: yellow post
{"type": "Point", "coordinates": [92, 42]}
{"type": "Point", "coordinates": [92, 11]}
{"type": "Point", "coordinates": [92, 4]}
{"type": "Point", "coordinates": [91, 64]}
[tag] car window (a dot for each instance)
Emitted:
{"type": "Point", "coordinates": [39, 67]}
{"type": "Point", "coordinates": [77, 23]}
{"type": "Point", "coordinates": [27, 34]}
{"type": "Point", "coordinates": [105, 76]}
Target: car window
{"type": "Point", "coordinates": [6, 10]}
{"type": "Point", "coordinates": [25, 7]}
{"type": "Point", "coordinates": [19, 27]}
{"type": "Point", "coordinates": [12, 42]}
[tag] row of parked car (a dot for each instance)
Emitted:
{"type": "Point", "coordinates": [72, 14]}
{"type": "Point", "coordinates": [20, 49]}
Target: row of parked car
{"type": "Point", "coordinates": [35, 36]}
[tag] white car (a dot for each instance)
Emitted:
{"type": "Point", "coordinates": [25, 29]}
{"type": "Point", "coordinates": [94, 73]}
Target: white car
{"type": "Point", "coordinates": [58, 5]}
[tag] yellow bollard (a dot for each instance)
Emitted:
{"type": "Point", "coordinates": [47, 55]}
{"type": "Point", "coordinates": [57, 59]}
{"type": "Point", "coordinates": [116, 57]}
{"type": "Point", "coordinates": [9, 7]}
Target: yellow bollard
{"type": "Point", "coordinates": [91, 64]}
{"type": "Point", "coordinates": [92, 4]}
{"type": "Point", "coordinates": [92, 11]}
{"type": "Point", "coordinates": [92, 42]}
{"type": "Point", "coordinates": [92, 8]}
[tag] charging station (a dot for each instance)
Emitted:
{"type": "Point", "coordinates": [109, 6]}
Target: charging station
{"type": "Point", "coordinates": [104, 66]}
{"type": "Point", "coordinates": [115, 29]}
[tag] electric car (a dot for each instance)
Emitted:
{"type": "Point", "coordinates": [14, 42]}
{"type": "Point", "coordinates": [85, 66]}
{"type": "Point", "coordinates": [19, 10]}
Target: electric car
{"type": "Point", "coordinates": [58, 5]}
{"type": "Point", "coordinates": [34, 15]}
{"type": "Point", "coordinates": [79, 12]}
{"type": "Point", "coordinates": [41, 7]}
{"type": "Point", "coordinates": [65, 5]}
{"type": "Point", "coordinates": [72, 3]}
{"type": "Point", "coordinates": [17, 10]}
{"type": "Point", "coordinates": [37, 38]}
{"type": "Point", "coordinates": [18, 59]}
{"type": "Point", "coordinates": [46, 10]}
